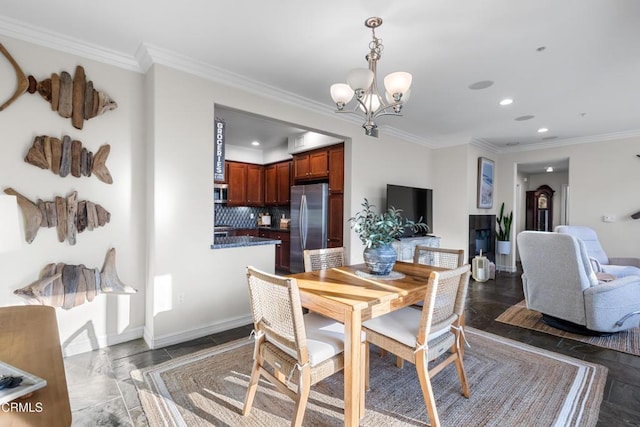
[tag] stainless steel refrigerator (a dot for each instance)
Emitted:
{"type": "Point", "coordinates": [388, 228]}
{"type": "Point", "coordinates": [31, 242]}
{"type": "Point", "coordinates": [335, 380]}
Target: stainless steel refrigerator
{"type": "Point", "coordinates": [309, 207]}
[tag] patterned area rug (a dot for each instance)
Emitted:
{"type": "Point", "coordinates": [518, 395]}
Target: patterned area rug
{"type": "Point", "coordinates": [512, 384]}
{"type": "Point", "coordinates": [519, 315]}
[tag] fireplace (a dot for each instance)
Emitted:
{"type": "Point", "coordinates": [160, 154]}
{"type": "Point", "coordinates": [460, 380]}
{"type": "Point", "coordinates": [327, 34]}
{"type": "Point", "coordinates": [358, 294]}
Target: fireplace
{"type": "Point", "coordinates": [482, 236]}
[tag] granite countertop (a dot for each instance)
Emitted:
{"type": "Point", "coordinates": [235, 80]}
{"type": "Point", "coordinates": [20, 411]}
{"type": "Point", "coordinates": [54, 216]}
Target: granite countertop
{"type": "Point", "coordinates": [241, 241]}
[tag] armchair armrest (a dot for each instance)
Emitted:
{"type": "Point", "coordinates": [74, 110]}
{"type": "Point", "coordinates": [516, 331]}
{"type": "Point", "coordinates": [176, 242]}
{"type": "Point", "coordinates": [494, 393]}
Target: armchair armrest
{"type": "Point", "coordinates": [607, 303]}
{"type": "Point", "coordinates": [635, 262]}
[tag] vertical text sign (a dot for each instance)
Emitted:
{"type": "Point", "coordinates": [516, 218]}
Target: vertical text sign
{"type": "Point", "coordinates": [218, 167]}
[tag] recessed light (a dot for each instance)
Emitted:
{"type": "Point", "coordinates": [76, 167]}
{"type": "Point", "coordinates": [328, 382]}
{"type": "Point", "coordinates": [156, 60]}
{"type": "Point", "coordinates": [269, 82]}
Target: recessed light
{"type": "Point", "coordinates": [543, 130]}
{"type": "Point", "coordinates": [256, 143]}
{"type": "Point", "coordinates": [522, 118]}
{"type": "Point", "coordinates": [549, 169]}
{"type": "Point", "coordinates": [506, 101]}
{"type": "Point", "coordinates": [541, 48]}
{"type": "Point", "coordinates": [483, 84]}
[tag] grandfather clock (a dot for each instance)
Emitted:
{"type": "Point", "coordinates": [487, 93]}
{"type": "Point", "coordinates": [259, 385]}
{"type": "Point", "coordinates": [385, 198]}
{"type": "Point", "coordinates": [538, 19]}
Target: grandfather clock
{"type": "Point", "coordinates": [539, 212]}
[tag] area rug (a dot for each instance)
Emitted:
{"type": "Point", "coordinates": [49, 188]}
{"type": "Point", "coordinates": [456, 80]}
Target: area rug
{"type": "Point", "coordinates": [512, 384]}
{"type": "Point", "coordinates": [519, 315]}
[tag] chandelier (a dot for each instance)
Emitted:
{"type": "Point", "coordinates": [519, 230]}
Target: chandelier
{"type": "Point", "coordinates": [362, 83]}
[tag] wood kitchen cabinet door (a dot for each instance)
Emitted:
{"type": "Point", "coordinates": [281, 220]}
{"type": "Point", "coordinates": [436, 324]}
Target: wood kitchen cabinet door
{"type": "Point", "coordinates": [270, 185]}
{"type": "Point", "coordinates": [311, 165]}
{"type": "Point", "coordinates": [336, 169]}
{"type": "Point", "coordinates": [335, 224]}
{"type": "Point", "coordinates": [255, 185]}
{"type": "Point", "coordinates": [283, 183]}
{"type": "Point", "coordinates": [237, 181]}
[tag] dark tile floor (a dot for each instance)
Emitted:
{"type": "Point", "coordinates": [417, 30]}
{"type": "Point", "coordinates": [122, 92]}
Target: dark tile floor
{"type": "Point", "coordinates": [102, 393]}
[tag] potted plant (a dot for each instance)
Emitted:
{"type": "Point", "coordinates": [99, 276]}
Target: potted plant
{"type": "Point", "coordinates": [377, 231]}
{"type": "Point", "coordinates": [503, 233]}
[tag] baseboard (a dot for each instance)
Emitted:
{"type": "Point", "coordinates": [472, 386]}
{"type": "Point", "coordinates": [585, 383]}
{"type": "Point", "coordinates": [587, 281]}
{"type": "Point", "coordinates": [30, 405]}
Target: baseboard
{"type": "Point", "coordinates": [190, 334]}
{"type": "Point", "coordinates": [507, 268]}
{"type": "Point", "coordinates": [77, 346]}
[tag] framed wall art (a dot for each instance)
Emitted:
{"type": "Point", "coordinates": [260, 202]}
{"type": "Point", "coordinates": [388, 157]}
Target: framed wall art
{"type": "Point", "coordinates": [485, 183]}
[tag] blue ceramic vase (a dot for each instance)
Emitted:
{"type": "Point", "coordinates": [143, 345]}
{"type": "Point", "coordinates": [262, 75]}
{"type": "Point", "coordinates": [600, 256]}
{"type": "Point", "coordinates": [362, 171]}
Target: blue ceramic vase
{"type": "Point", "coordinates": [381, 260]}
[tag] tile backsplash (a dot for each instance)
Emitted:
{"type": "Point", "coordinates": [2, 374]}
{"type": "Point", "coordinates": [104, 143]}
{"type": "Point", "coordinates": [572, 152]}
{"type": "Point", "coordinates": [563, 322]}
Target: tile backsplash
{"type": "Point", "coordinates": [240, 217]}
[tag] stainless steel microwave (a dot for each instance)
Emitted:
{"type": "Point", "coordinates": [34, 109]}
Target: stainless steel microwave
{"type": "Point", "coordinates": [220, 193]}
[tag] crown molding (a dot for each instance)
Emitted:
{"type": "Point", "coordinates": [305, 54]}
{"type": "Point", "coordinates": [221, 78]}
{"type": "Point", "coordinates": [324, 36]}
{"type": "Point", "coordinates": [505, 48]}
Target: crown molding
{"type": "Point", "coordinates": [574, 141]}
{"type": "Point", "coordinates": [485, 145]}
{"type": "Point", "coordinates": [26, 32]}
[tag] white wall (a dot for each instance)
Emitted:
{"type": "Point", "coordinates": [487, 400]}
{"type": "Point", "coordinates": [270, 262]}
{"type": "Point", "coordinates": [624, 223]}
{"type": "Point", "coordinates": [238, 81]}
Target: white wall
{"type": "Point", "coordinates": [109, 318]}
{"type": "Point", "coordinates": [450, 211]}
{"type": "Point", "coordinates": [604, 180]}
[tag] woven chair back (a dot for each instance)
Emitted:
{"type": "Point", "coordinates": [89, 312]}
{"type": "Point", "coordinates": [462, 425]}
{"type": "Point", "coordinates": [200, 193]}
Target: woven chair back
{"type": "Point", "coordinates": [323, 259]}
{"type": "Point", "coordinates": [444, 300]}
{"type": "Point", "coordinates": [438, 257]}
{"type": "Point", "coordinates": [277, 311]}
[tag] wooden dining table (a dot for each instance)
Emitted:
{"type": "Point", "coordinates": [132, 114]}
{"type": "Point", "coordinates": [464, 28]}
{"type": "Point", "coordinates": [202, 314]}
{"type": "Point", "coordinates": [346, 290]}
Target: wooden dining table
{"type": "Point", "coordinates": [351, 297]}
{"type": "Point", "coordinates": [29, 341]}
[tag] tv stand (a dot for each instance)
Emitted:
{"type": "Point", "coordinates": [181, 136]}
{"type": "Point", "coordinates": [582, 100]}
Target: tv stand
{"type": "Point", "coordinates": [406, 246]}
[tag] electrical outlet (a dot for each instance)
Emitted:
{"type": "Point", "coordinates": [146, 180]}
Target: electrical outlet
{"type": "Point", "coordinates": [180, 297]}
{"type": "Point", "coordinates": [608, 218]}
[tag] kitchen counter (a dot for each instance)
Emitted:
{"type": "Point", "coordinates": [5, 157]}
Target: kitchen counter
{"type": "Point", "coordinates": [273, 228]}
{"type": "Point", "coordinates": [242, 241]}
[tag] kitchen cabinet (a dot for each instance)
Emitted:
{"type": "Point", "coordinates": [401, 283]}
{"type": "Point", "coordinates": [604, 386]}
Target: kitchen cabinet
{"type": "Point", "coordinates": [282, 249]}
{"type": "Point", "coordinates": [336, 169]}
{"type": "Point", "coordinates": [311, 165]}
{"type": "Point", "coordinates": [246, 184]}
{"type": "Point", "coordinates": [336, 220]}
{"type": "Point", "coordinates": [237, 181]}
{"type": "Point", "coordinates": [336, 196]}
{"type": "Point", "coordinates": [255, 185]}
{"type": "Point", "coordinates": [277, 184]}
{"type": "Point", "coordinates": [282, 261]}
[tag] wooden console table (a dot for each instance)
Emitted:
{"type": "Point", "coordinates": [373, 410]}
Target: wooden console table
{"type": "Point", "coordinates": [29, 341]}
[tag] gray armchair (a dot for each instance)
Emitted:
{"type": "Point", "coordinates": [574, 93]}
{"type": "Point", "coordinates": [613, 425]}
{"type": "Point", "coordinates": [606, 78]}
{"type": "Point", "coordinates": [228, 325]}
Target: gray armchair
{"type": "Point", "coordinates": [559, 281]}
{"type": "Point", "coordinates": [619, 267]}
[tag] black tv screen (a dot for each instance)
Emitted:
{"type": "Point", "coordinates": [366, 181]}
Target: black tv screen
{"type": "Point", "coordinates": [415, 203]}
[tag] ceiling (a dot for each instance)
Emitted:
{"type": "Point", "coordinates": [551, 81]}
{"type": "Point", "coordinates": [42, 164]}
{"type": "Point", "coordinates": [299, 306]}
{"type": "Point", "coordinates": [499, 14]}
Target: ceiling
{"type": "Point", "coordinates": [573, 64]}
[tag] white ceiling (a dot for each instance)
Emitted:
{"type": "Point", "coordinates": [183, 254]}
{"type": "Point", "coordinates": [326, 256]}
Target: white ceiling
{"type": "Point", "coordinates": [584, 85]}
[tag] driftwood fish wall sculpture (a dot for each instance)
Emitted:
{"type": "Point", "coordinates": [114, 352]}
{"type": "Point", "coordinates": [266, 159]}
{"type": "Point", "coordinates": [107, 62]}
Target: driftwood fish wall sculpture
{"type": "Point", "coordinates": [70, 97]}
{"type": "Point", "coordinates": [68, 156]}
{"type": "Point", "coordinates": [68, 215]}
{"type": "Point", "coordinates": [67, 286]}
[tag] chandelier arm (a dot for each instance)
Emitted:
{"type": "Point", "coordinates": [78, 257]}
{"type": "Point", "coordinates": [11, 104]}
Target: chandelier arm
{"type": "Point", "coordinates": [369, 103]}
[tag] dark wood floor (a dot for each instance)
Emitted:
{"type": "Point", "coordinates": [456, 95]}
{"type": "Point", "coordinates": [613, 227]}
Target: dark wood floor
{"type": "Point", "coordinates": [102, 393]}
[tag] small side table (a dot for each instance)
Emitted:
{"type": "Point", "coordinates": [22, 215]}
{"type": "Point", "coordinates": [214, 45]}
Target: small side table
{"type": "Point", "coordinates": [29, 340]}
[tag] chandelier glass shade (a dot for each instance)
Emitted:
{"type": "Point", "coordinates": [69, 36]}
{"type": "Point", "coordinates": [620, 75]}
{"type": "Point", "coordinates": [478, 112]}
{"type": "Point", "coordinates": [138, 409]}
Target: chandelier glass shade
{"type": "Point", "coordinates": [362, 84]}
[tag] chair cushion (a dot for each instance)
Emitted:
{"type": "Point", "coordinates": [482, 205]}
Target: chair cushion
{"type": "Point", "coordinates": [325, 338]}
{"type": "Point", "coordinates": [621, 270]}
{"type": "Point", "coordinates": [402, 325]}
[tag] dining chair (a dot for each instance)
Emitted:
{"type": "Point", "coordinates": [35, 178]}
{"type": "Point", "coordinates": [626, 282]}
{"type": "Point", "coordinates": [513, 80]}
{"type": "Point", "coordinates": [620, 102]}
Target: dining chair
{"type": "Point", "coordinates": [422, 336]}
{"type": "Point", "coordinates": [322, 259]}
{"type": "Point", "coordinates": [291, 348]}
{"type": "Point", "coordinates": [438, 257]}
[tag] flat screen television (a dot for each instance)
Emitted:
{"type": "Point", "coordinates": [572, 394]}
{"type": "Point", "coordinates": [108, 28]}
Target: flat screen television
{"type": "Point", "coordinates": [415, 203]}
